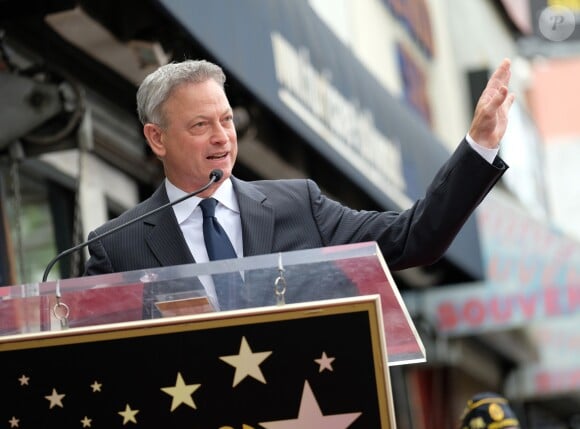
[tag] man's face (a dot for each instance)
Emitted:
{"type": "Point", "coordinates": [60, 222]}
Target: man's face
{"type": "Point", "coordinates": [198, 135]}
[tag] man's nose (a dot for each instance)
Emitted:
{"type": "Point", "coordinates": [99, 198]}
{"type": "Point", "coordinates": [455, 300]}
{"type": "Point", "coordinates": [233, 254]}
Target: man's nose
{"type": "Point", "coordinates": [219, 134]}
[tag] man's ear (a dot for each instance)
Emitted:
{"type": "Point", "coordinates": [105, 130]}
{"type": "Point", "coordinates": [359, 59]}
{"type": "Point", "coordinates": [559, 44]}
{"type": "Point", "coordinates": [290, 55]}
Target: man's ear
{"type": "Point", "coordinates": [154, 136]}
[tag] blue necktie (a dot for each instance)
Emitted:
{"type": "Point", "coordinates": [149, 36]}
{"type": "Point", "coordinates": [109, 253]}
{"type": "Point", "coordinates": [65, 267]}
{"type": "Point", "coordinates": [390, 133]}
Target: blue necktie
{"type": "Point", "coordinates": [218, 245]}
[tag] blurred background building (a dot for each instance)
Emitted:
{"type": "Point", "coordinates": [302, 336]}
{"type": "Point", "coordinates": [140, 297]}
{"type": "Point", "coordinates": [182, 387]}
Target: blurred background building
{"type": "Point", "coordinates": [367, 97]}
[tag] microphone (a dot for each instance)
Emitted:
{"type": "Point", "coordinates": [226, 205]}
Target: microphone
{"type": "Point", "coordinates": [214, 176]}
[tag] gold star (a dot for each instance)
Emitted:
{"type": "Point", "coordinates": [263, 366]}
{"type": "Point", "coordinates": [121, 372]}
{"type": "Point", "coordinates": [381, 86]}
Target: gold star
{"type": "Point", "coordinates": [96, 386]}
{"type": "Point", "coordinates": [181, 393]}
{"type": "Point", "coordinates": [14, 422]}
{"type": "Point", "coordinates": [128, 415]}
{"type": "Point", "coordinates": [24, 380]}
{"type": "Point", "coordinates": [86, 422]}
{"type": "Point", "coordinates": [55, 399]}
{"type": "Point", "coordinates": [324, 362]}
{"type": "Point", "coordinates": [246, 363]}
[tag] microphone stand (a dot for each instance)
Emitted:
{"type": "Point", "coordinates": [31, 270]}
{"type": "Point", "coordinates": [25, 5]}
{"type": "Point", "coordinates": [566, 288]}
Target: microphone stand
{"type": "Point", "coordinates": [214, 176]}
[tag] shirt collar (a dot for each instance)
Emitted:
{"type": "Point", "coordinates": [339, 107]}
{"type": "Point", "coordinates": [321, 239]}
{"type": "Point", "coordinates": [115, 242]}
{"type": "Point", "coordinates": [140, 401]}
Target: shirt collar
{"type": "Point", "coordinates": [224, 194]}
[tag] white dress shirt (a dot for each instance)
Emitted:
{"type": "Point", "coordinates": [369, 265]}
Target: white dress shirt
{"type": "Point", "coordinates": [190, 220]}
{"type": "Point", "coordinates": [487, 153]}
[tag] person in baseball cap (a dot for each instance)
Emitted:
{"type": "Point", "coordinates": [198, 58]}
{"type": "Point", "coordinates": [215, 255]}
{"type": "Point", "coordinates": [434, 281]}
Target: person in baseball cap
{"type": "Point", "coordinates": [488, 410]}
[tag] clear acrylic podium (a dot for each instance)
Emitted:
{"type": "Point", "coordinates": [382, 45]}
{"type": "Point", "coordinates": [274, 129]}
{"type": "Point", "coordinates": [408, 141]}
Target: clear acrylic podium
{"type": "Point", "coordinates": [322, 325]}
{"type": "Point", "coordinates": [271, 280]}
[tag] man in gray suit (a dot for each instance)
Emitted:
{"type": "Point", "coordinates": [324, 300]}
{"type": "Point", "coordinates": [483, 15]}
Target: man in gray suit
{"type": "Point", "coordinates": [188, 123]}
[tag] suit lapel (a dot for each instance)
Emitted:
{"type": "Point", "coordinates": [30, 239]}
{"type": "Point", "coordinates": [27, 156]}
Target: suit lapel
{"type": "Point", "coordinates": [257, 216]}
{"type": "Point", "coordinates": [165, 238]}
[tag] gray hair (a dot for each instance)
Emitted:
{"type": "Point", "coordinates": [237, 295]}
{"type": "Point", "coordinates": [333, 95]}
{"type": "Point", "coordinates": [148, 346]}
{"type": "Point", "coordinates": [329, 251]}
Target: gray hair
{"type": "Point", "coordinates": [157, 86]}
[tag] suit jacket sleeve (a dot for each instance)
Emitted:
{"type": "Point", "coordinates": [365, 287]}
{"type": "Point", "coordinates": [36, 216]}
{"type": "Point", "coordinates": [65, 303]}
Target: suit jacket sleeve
{"type": "Point", "coordinates": [154, 241]}
{"type": "Point", "coordinates": [99, 259]}
{"type": "Point", "coordinates": [421, 234]}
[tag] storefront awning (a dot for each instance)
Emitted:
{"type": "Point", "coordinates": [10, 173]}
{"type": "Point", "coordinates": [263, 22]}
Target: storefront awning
{"type": "Point", "coordinates": [532, 284]}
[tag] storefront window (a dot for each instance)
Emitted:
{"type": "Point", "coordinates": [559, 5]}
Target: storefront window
{"type": "Point", "coordinates": [30, 224]}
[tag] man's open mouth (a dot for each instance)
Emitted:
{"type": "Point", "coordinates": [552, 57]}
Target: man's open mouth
{"type": "Point", "coordinates": [222, 156]}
